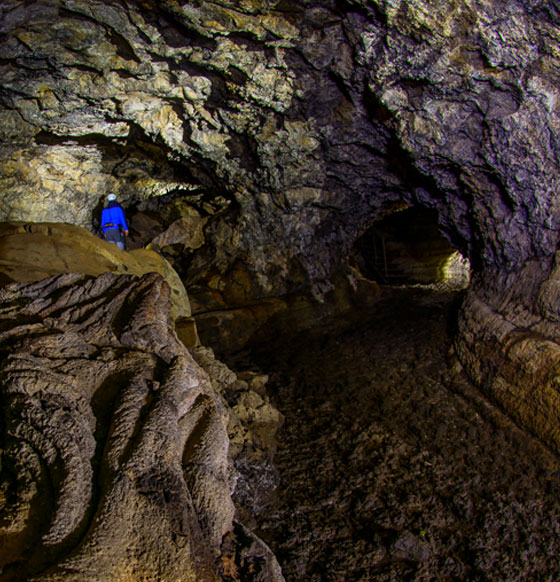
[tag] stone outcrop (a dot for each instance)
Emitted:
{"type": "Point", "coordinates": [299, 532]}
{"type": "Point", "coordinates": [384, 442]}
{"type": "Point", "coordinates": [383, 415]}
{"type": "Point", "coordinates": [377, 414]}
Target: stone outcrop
{"type": "Point", "coordinates": [252, 428]}
{"type": "Point", "coordinates": [310, 120]}
{"type": "Point", "coordinates": [30, 252]}
{"type": "Point", "coordinates": [106, 411]}
{"type": "Point", "coordinates": [513, 355]}
{"type": "Point", "coordinates": [115, 453]}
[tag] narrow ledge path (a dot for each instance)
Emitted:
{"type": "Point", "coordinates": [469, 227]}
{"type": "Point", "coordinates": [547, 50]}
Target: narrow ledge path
{"type": "Point", "coordinates": [393, 467]}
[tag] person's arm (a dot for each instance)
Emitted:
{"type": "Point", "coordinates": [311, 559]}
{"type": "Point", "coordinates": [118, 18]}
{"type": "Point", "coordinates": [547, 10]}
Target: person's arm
{"type": "Point", "coordinates": [123, 221]}
{"type": "Point", "coordinates": [103, 219]}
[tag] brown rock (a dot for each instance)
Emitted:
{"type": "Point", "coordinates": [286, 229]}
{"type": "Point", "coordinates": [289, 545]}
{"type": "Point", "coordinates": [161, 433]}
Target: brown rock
{"type": "Point", "coordinates": [29, 252]}
{"type": "Point", "coordinates": [516, 365]}
{"type": "Point", "coordinates": [311, 122]}
{"type": "Point", "coordinates": [117, 451]}
{"type": "Point", "coordinates": [186, 330]}
{"type": "Point", "coordinates": [253, 425]}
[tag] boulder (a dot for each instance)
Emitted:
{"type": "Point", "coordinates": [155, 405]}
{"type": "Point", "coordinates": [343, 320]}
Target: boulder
{"type": "Point", "coordinates": [33, 251]}
{"type": "Point", "coordinates": [115, 452]}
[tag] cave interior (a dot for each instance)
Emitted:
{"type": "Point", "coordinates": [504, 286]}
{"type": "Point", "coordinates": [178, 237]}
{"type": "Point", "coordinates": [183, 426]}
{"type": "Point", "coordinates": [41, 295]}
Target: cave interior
{"type": "Point", "coordinates": [331, 350]}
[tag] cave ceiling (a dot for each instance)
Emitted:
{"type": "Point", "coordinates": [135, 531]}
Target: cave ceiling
{"type": "Point", "coordinates": [306, 121]}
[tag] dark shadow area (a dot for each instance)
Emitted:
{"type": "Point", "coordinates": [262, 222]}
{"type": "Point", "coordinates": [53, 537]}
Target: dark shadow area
{"type": "Point", "coordinates": [407, 247]}
{"type": "Point", "coordinates": [393, 466]}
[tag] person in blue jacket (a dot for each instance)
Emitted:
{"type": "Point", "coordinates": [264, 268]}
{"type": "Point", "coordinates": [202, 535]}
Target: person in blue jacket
{"type": "Point", "coordinates": [113, 222]}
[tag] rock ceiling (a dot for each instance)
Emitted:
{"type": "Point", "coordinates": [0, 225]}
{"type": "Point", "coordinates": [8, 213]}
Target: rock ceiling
{"type": "Point", "coordinates": [308, 120]}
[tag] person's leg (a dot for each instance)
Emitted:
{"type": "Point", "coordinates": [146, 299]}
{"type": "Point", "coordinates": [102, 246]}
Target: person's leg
{"type": "Point", "coordinates": [112, 235]}
{"type": "Point", "coordinates": [121, 241]}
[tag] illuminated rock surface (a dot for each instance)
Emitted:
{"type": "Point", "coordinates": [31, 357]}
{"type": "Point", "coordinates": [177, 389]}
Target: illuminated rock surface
{"type": "Point", "coordinates": [115, 461]}
{"type": "Point", "coordinates": [30, 252]}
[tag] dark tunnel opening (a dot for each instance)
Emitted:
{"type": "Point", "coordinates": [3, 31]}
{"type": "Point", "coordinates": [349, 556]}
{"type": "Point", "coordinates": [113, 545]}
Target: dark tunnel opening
{"type": "Point", "coordinates": [407, 247]}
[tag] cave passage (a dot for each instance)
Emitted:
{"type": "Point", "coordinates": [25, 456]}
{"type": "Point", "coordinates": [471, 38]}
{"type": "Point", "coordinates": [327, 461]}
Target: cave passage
{"type": "Point", "coordinates": [407, 247]}
{"type": "Point", "coordinates": [393, 466]}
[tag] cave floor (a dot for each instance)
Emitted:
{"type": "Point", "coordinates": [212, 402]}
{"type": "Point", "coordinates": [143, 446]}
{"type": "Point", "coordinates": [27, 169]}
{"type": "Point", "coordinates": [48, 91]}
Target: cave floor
{"type": "Point", "coordinates": [393, 467]}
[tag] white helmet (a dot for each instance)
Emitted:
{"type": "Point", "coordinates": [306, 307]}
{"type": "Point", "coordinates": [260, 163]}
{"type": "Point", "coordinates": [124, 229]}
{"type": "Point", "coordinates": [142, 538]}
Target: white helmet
{"type": "Point", "coordinates": [111, 197]}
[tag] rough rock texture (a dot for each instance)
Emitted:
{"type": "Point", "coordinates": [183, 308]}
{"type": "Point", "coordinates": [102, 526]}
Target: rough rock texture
{"type": "Point", "coordinates": [471, 90]}
{"type": "Point", "coordinates": [278, 131]}
{"type": "Point", "coordinates": [252, 430]}
{"type": "Point", "coordinates": [310, 116]}
{"type": "Point", "coordinates": [404, 471]}
{"type": "Point", "coordinates": [114, 444]}
{"type": "Point", "coordinates": [30, 252]}
{"type": "Point", "coordinates": [282, 130]}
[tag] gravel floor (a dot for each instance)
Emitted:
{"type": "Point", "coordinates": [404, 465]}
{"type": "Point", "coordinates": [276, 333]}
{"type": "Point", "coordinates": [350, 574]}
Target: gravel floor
{"type": "Point", "coordinates": [393, 467]}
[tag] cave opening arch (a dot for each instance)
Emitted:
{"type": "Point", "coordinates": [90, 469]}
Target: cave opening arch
{"type": "Point", "coordinates": [407, 247]}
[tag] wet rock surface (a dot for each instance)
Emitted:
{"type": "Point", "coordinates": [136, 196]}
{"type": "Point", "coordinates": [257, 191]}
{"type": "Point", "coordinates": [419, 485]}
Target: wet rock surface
{"type": "Point", "coordinates": [393, 467]}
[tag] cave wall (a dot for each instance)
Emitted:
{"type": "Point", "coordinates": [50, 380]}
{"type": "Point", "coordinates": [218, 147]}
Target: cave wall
{"type": "Point", "coordinates": [309, 121]}
{"type": "Point", "coordinates": [255, 102]}
{"type": "Point", "coordinates": [311, 117]}
{"type": "Point", "coordinates": [103, 414]}
{"type": "Point", "coordinates": [252, 143]}
{"type": "Point", "coordinates": [119, 451]}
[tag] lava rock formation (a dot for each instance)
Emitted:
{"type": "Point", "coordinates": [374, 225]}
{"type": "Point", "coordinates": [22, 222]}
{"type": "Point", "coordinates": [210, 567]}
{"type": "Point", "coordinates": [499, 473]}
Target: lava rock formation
{"type": "Point", "coordinates": [252, 143]}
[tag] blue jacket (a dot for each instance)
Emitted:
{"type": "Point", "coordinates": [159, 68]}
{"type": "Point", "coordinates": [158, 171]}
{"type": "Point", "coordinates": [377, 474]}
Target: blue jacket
{"type": "Point", "coordinates": [113, 217]}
